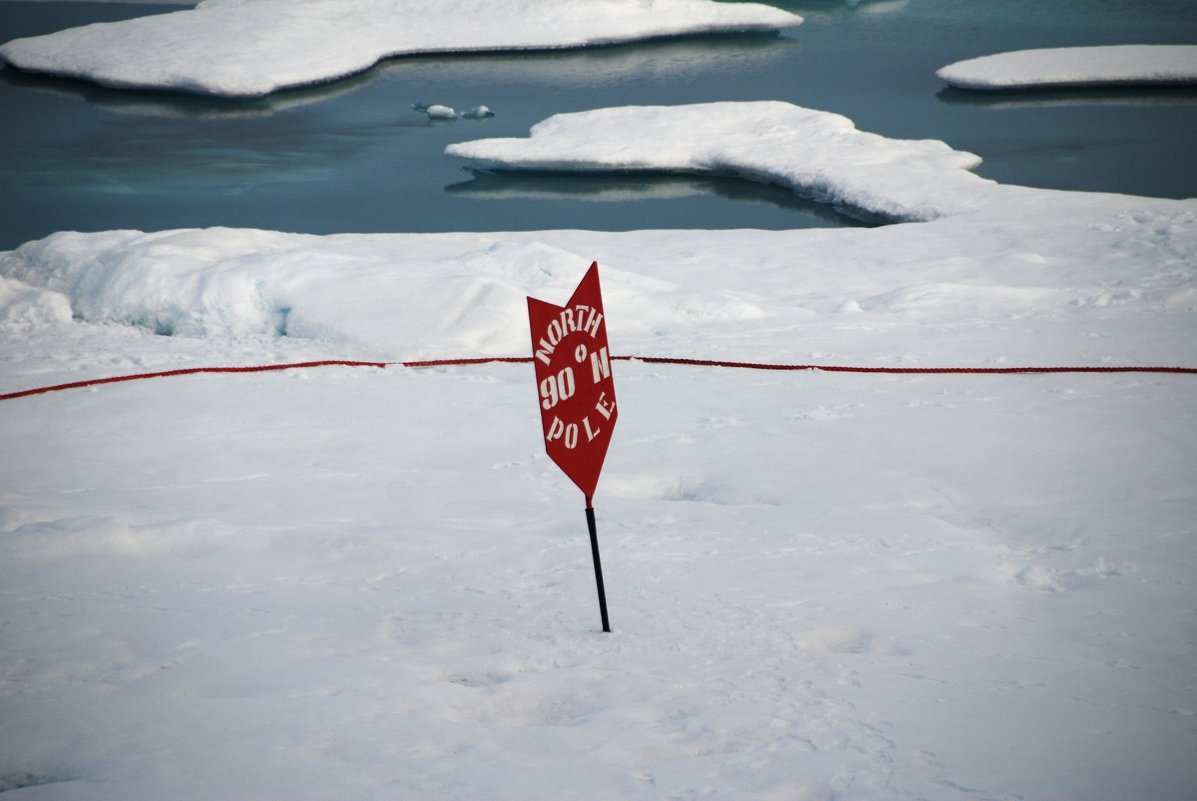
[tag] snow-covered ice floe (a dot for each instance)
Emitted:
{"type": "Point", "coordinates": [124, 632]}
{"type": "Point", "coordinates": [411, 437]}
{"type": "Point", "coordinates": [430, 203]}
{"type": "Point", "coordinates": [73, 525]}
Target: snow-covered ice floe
{"type": "Point", "coordinates": [818, 154]}
{"type": "Point", "coordinates": [340, 585]}
{"type": "Point", "coordinates": [1046, 68]}
{"type": "Point", "coordinates": [248, 48]}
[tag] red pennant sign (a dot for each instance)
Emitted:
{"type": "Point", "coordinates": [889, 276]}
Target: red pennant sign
{"type": "Point", "coordinates": [573, 377]}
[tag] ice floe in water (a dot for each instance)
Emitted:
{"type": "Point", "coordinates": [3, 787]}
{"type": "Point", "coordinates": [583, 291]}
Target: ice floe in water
{"type": "Point", "coordinates": [817, 153]}
{"type": "Point", "coordinates": [1110, 65]}
{"type": "Point", "coordinates": [439, 111]}
{"type": "Point", "coordinates": [246, 48]}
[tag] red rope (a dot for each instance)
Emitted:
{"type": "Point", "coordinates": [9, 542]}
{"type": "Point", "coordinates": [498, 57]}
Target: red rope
{"type": "Point", "coordinates": [830, 368]}
{"type": "Point", "coordinates": [262, 368]}
{"type": "Point", "coordinates": [479, 360]}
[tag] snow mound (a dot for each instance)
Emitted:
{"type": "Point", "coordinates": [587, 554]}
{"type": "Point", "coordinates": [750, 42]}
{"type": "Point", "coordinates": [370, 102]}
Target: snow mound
{"type": "Point", "coordinates": [1076, 66]}
{"type": "Point", "coordinates": [818, 154]}
{"type": "Point", "coordinates": [249, 48]}
{"type": "Point", "coordinates": [23, 307]}
{"type": "Point", "coordinates": [411, 296]}
{"type": "Point", "coordinates": [1099, 265]}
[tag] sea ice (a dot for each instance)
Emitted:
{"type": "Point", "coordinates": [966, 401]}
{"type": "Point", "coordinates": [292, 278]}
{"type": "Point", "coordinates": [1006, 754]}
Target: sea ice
{"type": "Point", "coordinates": [816, 153]}
{"type": "Point", "coordinates": [438, 111]}
{"type": "Point", "coordinates": [372, 584]}
{"type": "Point", "coordinates": [247, 48]}
{"type": "Point", "coordinates": [1076, 66]}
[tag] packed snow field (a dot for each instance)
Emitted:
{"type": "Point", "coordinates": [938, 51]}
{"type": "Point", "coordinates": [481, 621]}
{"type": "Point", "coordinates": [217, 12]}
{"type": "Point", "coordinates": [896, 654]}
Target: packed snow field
{"type": "Point", "coordinates": [373, 584]}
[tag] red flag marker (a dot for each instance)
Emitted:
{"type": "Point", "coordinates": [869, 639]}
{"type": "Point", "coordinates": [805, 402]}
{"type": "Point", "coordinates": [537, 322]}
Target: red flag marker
{"type": "Point", "coordinates": [576, 392]}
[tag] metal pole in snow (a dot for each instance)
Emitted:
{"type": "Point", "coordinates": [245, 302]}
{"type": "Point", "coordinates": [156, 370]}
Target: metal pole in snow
{"type": "Point", "coordinates": [598, 565]}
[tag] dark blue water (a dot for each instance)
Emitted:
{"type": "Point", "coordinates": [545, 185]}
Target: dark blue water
{"type": "Point", "coordinates": [354, 156]}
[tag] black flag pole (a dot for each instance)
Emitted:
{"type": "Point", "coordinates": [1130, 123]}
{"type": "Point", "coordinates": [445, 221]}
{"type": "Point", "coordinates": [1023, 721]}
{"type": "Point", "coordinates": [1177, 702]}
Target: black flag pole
{"type": "Point", "coordinates": [598, 565]}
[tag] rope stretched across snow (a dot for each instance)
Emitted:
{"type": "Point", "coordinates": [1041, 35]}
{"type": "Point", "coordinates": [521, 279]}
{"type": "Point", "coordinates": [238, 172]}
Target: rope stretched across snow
{"type": "Point", "coordinates": [263, 368]}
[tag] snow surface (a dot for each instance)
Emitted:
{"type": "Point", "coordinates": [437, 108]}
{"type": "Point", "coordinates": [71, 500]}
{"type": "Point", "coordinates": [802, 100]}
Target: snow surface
{"type": "Point", "coordinates": [372, 584]}
{"type": "Point", "coordinates": [248, 48]}
{"type": "Point", "coordinates": [1076, 66]}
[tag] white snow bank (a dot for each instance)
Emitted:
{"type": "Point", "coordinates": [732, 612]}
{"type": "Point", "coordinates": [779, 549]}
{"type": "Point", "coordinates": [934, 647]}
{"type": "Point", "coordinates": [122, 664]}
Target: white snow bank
{"type": "Point", "coordinates": [818, 154]}
{"type": "Point", "coordinates": [247, 48]}
{"type": "Point", "coordinates": [1004, 283]}
{"type": "Point", "coordinates": [1076, 66]}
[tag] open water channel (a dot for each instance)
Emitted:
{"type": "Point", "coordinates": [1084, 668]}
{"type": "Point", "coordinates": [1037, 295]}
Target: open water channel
{"type": "Point", "coordinates": [353, 156]}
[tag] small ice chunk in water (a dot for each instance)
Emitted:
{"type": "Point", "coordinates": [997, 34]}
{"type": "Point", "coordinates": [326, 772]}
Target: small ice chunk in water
{"type": "Point", "coordinates": [438, 112]}
{"type": "Point", "coordinates": [478, 113]}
